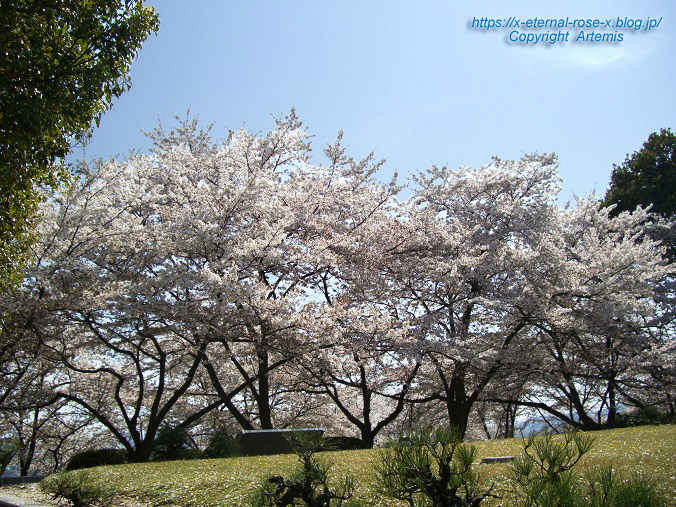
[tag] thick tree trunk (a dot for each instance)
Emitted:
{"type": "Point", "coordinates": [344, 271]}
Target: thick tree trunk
{"type": "Point", "coordinates": [263, 395]}
{"type": "Point", "coordinates": [141, 453]}
{"type": "Point", "coordinates": [458, 416]}
{"type": "Point", "coordinates": [458, 404]}
{"type": "Point", "coordinates": [510, 419]}
{"type": "Point", "coordinates": [367, 438]}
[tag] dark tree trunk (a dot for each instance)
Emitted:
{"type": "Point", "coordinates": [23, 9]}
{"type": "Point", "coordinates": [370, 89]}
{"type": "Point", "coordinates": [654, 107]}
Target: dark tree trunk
{"type": "Point", "coordinates": [263, 394]}
{"type": "Point", "coordinates": [612, 406]}
{"type": "Point", "coordinates": [510, 419]}
{"type": "Point", "coordinates": [141, 453]}
{"type": "Point", "coordinates": [458, 404]}
{"type": "Point", "coordinates": [367, 438]}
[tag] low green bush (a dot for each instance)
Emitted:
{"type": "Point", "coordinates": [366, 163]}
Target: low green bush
{"type": "Point", "coordinates": [221, 445]}
{"type": "Point", "coordinates": [606, 487]}
{"type": "Point", "coordinates": [173, 444]}
{"type": "Point", "coordinates": [642, 417]}
{"type": "Point", "coordinates": [310, 484]}
{"type": "Point", "coordinates": [190, 454]}
{"type": "Point", "coordinates": [543, 473]}
{"type": "Point", "coordinates": [431, 467]}
{"type": "Point", "coordinates": [544, 477]}
{"type": "Point", "coordinates": [344, 443]}
{"type": "Point", "coordinates": [78, 489]}
{"type": "Point", "coordinates": [97, 457]}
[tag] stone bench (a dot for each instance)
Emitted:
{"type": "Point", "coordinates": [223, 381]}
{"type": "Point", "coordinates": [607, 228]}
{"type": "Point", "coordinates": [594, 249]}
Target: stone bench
{"type": "Point", "coordinates": [496, 459]}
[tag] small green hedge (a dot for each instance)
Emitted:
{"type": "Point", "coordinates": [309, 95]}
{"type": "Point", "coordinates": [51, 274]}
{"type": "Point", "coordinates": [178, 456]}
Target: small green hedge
{"type": "Point", "coordinates": [98, 457]}
{"type": "Point", "coordinates": [221, 445]}
{"type": "Point", "coordinates": [344, 443]}
{"type": "Point", "coordinates": [643, 417]}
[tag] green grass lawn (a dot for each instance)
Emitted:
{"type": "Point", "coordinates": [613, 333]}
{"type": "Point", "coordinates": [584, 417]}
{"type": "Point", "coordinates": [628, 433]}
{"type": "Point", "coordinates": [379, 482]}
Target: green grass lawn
{"type": "Point", "coordinates": [227, 482]}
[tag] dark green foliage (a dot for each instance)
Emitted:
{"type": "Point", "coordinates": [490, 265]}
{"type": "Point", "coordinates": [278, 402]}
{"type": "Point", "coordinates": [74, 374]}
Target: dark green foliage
{"type": "Point", "coordinates": [190, 454]}
{"type": "Point", "coordinates": [545, 478]}
{"type": "Point", "coordinates": [174, 444]}
{"type": "Point", "coordinates": [607, 488]}
{"type": "Point", "coordinates": [635, 491]}
{"type": "Point", "coordinates": [547, 460]}
{"type": "Point", "coordinates": [543, 472]}
{"type": "Point", "coordinates": [344, 443]}
{"type": "Point", "coordinates": [98, 457]}
{"type": "Point", "coordinates": [62, 63]}
{"type": "Point", "coordinates": [221, 445]}
{"type": "Point", "coordinates": [78, 489]}
{"type": "Point", "coordinates": [431, 467]}
{"type": "Point", "coordinates": [648, 177]}
{"type": "Point", "coordinates": [310, 484]}
{"type": "Point", "coordinates": [8, 450]}
{"type": "Point", "coordinates": [643, 416]}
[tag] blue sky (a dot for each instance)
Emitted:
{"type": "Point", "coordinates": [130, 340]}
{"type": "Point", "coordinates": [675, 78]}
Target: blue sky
{"type": "Point", "coordinates": [409, 79]}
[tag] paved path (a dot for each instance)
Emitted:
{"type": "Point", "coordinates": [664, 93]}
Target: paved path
{"type": "Point", "coordinates": [7, 500]}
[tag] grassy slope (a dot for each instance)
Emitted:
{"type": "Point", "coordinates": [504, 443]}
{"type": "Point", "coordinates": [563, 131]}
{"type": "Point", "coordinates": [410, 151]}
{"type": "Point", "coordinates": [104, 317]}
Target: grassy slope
{"type": "Point", "coordinates": [227, 482]}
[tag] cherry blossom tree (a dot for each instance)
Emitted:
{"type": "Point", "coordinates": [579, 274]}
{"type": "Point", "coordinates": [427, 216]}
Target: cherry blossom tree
{"type": "Point", "coordinates": [457, 267]}
{"type": "Point", "coordinates": [198, 260]}
{"type": "Point", "coordinates": [604, 321]}
{"type": "Point", "coordinates": [362, 371]}
{"type": "Point", "coordinates": [28, 402]}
